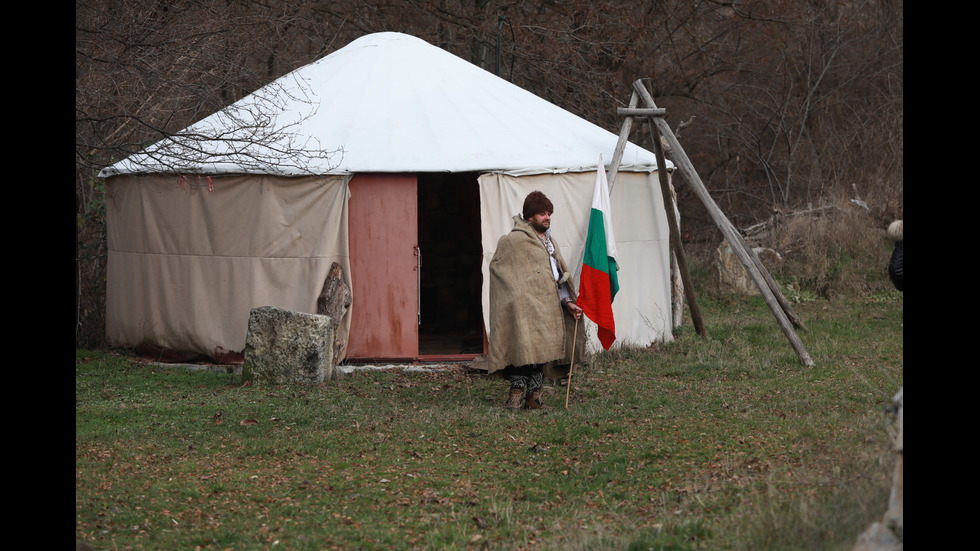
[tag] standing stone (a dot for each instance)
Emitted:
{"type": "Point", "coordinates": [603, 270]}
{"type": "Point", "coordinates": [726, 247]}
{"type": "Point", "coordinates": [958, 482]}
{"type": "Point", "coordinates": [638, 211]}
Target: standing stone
{"type": "Point", "coordinates": [333, 302]}
{"type": "Point", "coordinates": [284, 347]}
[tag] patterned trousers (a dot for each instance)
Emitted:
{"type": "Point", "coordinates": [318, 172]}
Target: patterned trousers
{"type": "Point", "coordinates": [526, 377]}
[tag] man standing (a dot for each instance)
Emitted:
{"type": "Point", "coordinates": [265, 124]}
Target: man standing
{"type": "Point", "coordinates": [532, 304]}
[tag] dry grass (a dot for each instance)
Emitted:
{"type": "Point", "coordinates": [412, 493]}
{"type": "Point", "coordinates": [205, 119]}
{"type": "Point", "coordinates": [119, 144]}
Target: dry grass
{"type": "Point", "coordinates": [840, 251]}
{"type": "Point", "coordinates": [836, 250]}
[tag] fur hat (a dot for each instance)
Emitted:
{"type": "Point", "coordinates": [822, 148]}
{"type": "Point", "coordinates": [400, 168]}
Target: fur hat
{"type": "Point", "coordinates": [895, 230]}
{"type": "Point", "coordinates": [536, 203]}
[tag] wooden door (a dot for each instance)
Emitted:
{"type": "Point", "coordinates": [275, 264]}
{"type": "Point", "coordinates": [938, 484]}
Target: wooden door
{"type": "Point", "coordinates": [383, 224]}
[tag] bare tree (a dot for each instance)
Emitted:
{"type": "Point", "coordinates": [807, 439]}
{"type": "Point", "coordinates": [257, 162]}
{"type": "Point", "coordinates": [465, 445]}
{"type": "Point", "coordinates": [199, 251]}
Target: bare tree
{"type": "Point", "coordinates": [807, 81]}
{"type": "Point", "coordinates": [146, 70]}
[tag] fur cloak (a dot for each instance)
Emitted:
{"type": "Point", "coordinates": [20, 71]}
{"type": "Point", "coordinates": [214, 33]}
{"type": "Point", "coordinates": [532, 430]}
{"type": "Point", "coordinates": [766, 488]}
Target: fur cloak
{"type": "Point", "coordinates": [528, 324]}
{"type": "Point", "coordinates": [896, 268]}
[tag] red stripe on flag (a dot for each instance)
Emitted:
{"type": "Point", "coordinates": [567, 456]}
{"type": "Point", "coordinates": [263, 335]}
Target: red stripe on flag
{"type": "Point", "coordinates": [596, 302]}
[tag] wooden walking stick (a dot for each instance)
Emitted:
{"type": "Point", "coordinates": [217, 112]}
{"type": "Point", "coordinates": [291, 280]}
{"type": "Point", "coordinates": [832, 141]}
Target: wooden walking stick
{"type": "Point", "coordinates": [568, 387]}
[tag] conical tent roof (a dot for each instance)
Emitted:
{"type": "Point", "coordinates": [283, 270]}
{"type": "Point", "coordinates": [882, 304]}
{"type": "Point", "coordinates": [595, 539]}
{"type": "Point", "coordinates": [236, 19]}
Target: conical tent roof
{"type": "Point", "coordinates": [389, 102]}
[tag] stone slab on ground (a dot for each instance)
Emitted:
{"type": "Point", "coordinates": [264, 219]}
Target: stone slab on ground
{"type": "Point", "coordinates": [285, 347]}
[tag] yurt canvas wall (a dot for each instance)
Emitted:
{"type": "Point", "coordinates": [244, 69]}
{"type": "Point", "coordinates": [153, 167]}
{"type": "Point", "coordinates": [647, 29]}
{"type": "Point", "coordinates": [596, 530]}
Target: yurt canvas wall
{"type": "Point", "coordinates": [188, 260]}
{"type": "Point", "coordinates": [205, 252]}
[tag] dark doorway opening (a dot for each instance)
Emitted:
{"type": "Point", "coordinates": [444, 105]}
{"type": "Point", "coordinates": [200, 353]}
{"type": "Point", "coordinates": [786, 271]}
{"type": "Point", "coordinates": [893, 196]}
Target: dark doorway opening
{"type": "Point", "coordinates": [450, 281]}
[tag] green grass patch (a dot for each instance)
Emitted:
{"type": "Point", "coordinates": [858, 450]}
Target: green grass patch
{"type": "Point", "coordinates": [723, 442]}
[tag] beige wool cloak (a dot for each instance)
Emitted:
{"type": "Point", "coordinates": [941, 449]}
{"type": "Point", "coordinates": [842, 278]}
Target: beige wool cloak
{"type": "Point", "coordinates": [528, 324]}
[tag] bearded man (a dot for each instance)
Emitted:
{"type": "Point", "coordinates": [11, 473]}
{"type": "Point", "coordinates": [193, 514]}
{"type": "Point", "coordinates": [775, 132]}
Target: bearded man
{"type": "Point", "coordinates": [532, 304]}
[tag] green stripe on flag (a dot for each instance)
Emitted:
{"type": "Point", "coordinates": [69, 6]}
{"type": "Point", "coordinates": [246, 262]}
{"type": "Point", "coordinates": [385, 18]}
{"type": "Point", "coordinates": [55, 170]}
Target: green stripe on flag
{"type": "Point", "coordinates": [595, 250]}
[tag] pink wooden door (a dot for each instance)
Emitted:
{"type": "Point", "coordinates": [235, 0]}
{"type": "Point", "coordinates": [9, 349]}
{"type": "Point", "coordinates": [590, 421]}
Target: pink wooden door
{"type": "Point", "coordinates": [383, 224]}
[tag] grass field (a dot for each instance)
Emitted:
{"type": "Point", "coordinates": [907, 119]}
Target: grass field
{"type": "Point", "coordinates": [724, 442]}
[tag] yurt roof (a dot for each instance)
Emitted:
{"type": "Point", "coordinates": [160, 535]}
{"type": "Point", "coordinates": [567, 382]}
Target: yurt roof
{"type": "Point", "coordinates": [387, 102]}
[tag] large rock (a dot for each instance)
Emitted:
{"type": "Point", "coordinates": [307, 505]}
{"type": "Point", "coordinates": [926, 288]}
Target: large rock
{"type": "Point", "coordinates": [284, 347]}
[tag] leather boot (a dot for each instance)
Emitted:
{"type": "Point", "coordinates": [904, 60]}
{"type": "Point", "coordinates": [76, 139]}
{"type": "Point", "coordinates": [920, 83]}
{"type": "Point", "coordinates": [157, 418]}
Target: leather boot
{"type": "Point", "coordinates": [534, 400]}
{"type": "Point", "coordinates": [515, 398]}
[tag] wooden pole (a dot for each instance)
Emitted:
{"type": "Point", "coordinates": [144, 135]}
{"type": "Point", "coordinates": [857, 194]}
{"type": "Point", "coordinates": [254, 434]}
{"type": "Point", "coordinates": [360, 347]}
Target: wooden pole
{"type": "Point", "coordinates": [783, 302]}
{"type": "Point", "coordinates": [744, 254]}
{"type": "Point", "coordinates": [675, 234]}
{"type": "Point", "coordinates": [640, 88]}
{"type": "Point", "coordinates": [624, 135]}
{"type": "Point", "coordinates": [641, 112]}
{"type": "Point", "coordinates": [568, 387]}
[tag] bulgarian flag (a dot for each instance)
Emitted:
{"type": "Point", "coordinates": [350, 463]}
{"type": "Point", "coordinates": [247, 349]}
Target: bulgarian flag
{"type": "Point", "coordinates": [598, 282]}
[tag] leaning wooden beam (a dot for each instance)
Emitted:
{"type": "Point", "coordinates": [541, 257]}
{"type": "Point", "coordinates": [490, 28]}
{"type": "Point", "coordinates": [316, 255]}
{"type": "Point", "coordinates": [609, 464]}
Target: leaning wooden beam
{"type": "Point", "coordinates": [655, 112]}
{"type": "Point", "coordinates": [783, 302]}
{"type": "Point", "coordinates": [675, 235]}
{"type": "Point", "coordinates": [624, 135]}
{"type": "Point", "coordinates": [744, 254]}
{"type": "Point", "coordinates": [668, 202]}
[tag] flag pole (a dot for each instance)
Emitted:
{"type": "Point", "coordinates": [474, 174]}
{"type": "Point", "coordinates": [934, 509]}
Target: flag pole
{"type": "Point", "coordinates": [568, 387]}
